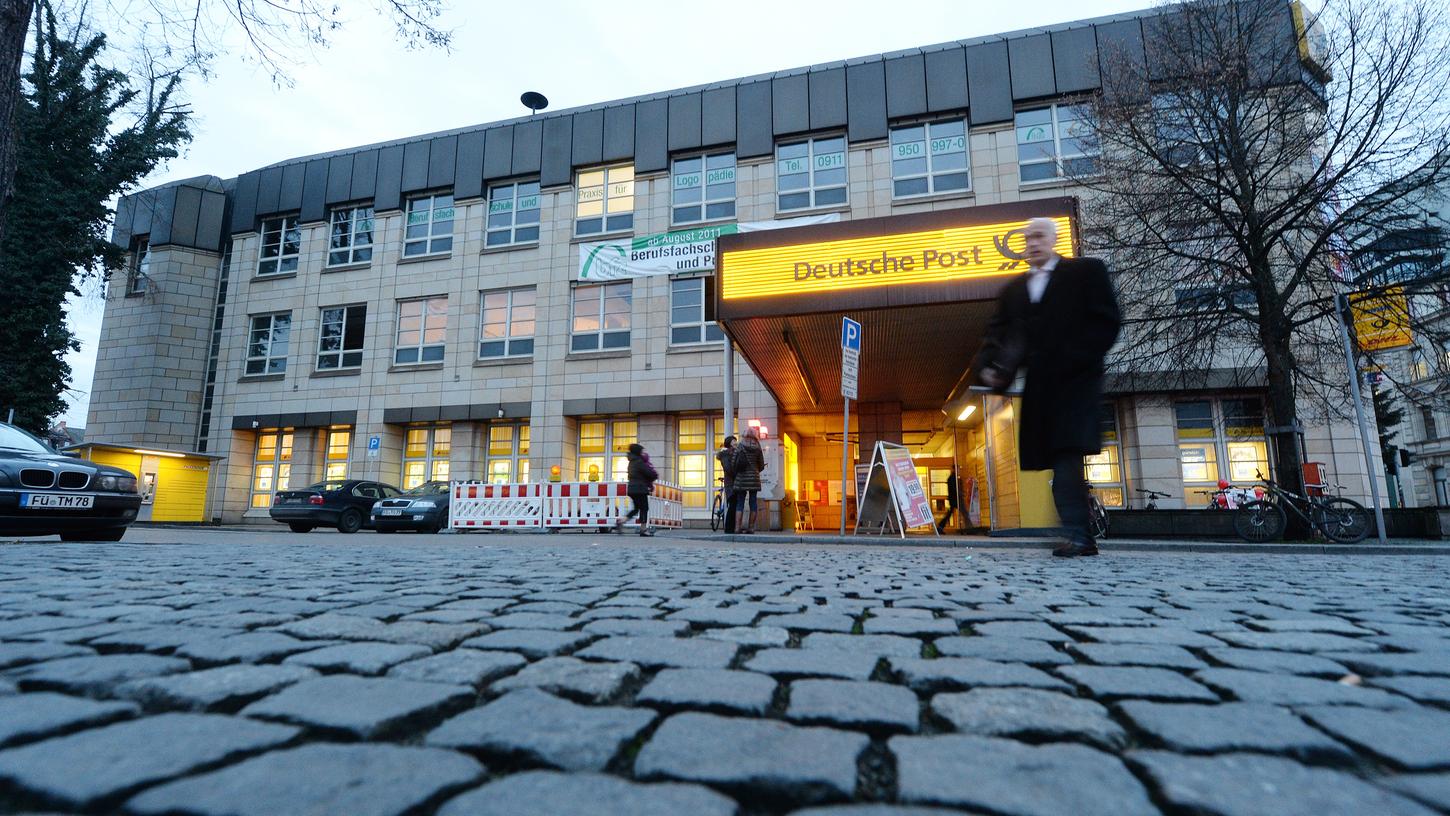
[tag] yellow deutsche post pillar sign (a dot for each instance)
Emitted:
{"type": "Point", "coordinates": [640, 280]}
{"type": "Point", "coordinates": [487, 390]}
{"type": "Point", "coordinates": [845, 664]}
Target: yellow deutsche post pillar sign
{"type": "Point", "coordinates": [1381, 319]}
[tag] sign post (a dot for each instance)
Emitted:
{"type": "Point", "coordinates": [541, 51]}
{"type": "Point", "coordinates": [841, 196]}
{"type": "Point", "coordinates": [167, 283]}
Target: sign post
{"type": "Point", "coordinates": [1342, 305]}
{"type": "Point", "coordinates": [850, 373]}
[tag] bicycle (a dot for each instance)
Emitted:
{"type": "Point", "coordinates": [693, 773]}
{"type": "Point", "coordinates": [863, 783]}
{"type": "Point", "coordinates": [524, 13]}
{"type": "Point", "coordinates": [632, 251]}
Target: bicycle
{"type": "Point", "coordinates": [1153, 496]}
{"type": "Point", "coordinates": [1097, 516]}
{"type": "Point", "coordinates": [1338, 519]}
{"type": "Point", "coordinates": [717, 510]}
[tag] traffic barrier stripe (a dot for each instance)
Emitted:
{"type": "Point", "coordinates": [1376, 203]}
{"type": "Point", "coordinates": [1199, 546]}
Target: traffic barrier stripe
{"type": "Point", "coordinates": [558, 505]}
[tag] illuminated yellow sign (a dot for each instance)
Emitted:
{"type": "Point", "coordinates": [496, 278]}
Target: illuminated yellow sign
{"type": "Point", "coordinates": [929, 256]}
{"type": "Point", "coordinates": [1381, 320]}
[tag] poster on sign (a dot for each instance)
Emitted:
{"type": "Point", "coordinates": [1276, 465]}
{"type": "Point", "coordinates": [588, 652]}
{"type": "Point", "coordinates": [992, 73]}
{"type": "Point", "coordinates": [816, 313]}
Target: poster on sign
{"type": "Point", "coordinates": [893, 499]}
{"type": "Point", "coordinates": [906, 486]}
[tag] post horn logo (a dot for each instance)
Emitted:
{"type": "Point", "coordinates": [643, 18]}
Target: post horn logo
{"type": "Point", "coordinates": [1001, 242]}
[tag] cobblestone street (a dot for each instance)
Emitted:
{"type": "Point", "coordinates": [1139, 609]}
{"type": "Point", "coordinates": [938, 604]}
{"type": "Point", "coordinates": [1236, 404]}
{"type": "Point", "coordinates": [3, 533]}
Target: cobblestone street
{"type": "Point", "coordinates": [495, 674]}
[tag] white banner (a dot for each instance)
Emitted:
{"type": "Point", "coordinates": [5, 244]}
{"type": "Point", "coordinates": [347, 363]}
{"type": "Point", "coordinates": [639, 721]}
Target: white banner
{"type": "Point", "coordinates": [671, 253]}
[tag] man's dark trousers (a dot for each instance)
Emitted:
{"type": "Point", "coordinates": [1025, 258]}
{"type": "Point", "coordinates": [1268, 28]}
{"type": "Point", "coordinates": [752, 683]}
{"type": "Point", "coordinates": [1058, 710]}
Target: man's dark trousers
{"type": "Point", "coordinates": [1069, 493]}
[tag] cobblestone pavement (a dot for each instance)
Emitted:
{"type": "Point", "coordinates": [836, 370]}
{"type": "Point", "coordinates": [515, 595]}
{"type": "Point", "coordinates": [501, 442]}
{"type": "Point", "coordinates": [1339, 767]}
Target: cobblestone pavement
{"type": "Point", "coordinates": [553, 675]}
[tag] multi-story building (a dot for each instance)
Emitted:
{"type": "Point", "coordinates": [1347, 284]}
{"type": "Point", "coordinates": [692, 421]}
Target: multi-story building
{"type": "Point", "coordinates": [498, 301]}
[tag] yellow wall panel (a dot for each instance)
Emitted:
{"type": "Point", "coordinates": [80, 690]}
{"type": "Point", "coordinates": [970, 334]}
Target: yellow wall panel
{"type": "Point", "coordinates": [181, 490]}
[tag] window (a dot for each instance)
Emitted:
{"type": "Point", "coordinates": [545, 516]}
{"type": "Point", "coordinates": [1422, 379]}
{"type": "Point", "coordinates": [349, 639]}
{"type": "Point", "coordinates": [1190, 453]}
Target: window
{"type": "Point", "coordinates": [513, 214]}
{"type": "Point", "coordinates": [1104, 471]}
{"type": "Point", "coordinates": [422, 331]}
{"type": "Point", "coordinates": [1228, 431]}
{"type": "Point", "coordinates": [605, 201]}
{"type": "Point", "coordinates": [1427, 418]}
{"type": "Point", "coordinates": [603, 444]}
{"type": "Point", "coordinates": [696, 468]}
{"type": "Point", "coordinates": [506, 326]}
{"type": "Point", "coordinates": [335, 454]}
{"type": "Point", "coordinates": [340, 339]}
{"type": "Point", "coordinates": [352, 236]}
{"type": "Point", "coordinates": [1213, 299]}
{"type": "Point", "coordinates": [281, 246]}
{"type": "Point", "coordinates": [271, 466]}
{"type": "Point", "coordinates": [811, 173]}
{"type": "Point", "coordinates": [425, 455]}
{"type": "Point", "coordinates": [138, 272]}
{"type": "Point", "coordinates": [508, 453]}
{"type": "Point", "coordinates": [267, 343]}
{"type": "Point", "coordinates": [1185, 127]}
{"type": "Point", "coordinates": [429, 228]}
{"type": "Point", "coordinates": [1055, 142]}
{"type": "Point", "coordinates": [927, 159]}
{"type": "Point", "coordinates": [692, 311]}
{"type": "Point", "coordinates": [601, 316]}
{"type": "Point", "coordinates": [1245, 448]}
{"type": "Point", "coordinates": [702, 188]}
{"type": "Point", "coordinates": [1197, 451]}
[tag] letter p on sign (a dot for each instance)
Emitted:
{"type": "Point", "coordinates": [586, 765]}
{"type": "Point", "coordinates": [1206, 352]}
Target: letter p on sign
{"type": "Point", "coordinates": [850, 335]}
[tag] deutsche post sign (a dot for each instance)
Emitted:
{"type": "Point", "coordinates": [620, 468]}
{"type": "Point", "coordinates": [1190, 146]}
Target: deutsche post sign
{"type": "Point", "coordinates": [935, 255]}
{"type": "Point", "coordinates": [1381, 319]}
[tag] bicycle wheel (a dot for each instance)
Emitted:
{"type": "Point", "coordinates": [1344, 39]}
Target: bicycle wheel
{"type": "Point", "coordinates": [1342, 520]}
{"type": "Point", "coordinates": [1259, 521]}
{"type": "Point", "coordinates": [1097, 518]}
{"type": "Point", "coordinates": [716, 513]}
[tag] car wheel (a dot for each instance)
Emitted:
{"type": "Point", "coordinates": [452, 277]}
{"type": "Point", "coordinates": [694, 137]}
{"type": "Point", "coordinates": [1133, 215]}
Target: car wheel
{"type": "Point", "coordinates": [95, 535]}
{"type": "Point", "coordinates": [300, 528]}
{"type": "Point", "coordinates": [350, 521]}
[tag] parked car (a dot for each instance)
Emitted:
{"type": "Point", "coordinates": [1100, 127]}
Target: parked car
{"type": "Point", "coordinates": [424, 508]}
{"type": "Point", "coordinates": [43, 492]}
{"type": "Point", "coordinates": [344, 504]}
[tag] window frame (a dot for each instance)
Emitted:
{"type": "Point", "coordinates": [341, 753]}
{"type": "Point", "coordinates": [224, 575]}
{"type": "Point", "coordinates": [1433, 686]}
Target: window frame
{"type": "Point", "coordinates": [517, 458]}
{"type": "Point", "coordinates": [138, 267]}
{"type": "Point", "coordinates": [508, 339]}
{"type": "Point", "coordinates": [268, 358]}
{"type": "Point", "coordinates": [614, 450]}
{"type": "Point", "coordinates": [705, 325]}
{"type": "Point", "coordinates": [430, 240]}
{"type": "Point", "coordinates": [602, 334]}
{"type": "Point", "coordinates": [1056, 158]}
{"type": "Point", "coordinates": [436, 466]}
{"type": "Point", "coordinates": [343, 351]}
{"type": "Point", "coordinates": [422, 346]}
{"type": "Point", "coordinates": [931, 174]}
{"type": "Point", "coordinates": [353, 247]}
{"type": "Point", "coordinates": [280, 463]}
{"type": "Point", "coordinates": [1113, 490]}
{"type": "Point", "coordinates": [281, 259]}
{"type": "Point", "coordinates": [514, 225]}
{"type": "Point", "coordinates": [812, 189]}
{"type": "Point", "coordinates": [697, 496]}
{"type": "Point", "coordinates": [1221, 443]}
{"type": "Point", "coordinates": [606, 214]}
{"type": "Point", "coordinates": [334, 455]}
{"type": "Point", "coordinates": [704, 186]}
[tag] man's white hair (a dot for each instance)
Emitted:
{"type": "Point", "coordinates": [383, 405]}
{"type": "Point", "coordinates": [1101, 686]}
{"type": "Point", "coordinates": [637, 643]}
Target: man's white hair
{"type": "Point", "coordinates": [1045, 224]}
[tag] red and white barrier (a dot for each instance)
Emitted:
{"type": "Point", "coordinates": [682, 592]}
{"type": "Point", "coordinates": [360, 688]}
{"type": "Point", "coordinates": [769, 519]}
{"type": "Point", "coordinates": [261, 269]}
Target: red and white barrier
{"type": "Point", "coordinates": [558, 506]}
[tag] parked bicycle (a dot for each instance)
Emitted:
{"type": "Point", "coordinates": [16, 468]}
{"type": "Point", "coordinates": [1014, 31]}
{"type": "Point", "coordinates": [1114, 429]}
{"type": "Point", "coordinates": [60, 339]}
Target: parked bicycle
{"type": "Point", "coordinates": [717, 509]}
{"type": "Point", "coordinates": [1339, 519]}
{"type": "Point", "coordinates": [1097, 515]}
{"type": "Point", "coordinates": [1151, 502]}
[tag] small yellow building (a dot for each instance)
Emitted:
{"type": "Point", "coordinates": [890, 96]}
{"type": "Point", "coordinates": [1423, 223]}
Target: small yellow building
{"type": "Point", "coordinates": [174, 485]}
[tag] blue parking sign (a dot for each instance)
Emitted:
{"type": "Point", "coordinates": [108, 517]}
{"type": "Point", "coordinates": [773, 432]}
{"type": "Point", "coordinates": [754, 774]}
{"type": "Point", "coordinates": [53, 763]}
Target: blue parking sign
{"type": "Point", "coordinates": [850, 334]}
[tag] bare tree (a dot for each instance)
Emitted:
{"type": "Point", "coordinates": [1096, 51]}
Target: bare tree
{"type": "Point", "coordinates": [171, 37]}
{"type": "Point", "coordinates": [1238, 162]}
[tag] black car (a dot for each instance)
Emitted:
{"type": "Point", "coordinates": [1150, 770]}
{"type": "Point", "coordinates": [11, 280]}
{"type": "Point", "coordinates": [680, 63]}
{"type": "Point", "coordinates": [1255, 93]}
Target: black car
{"type": "Point", "coordinates": [424, 508]}
{"type": "Point", "coordinates": [43, 492]}
{"type": "Point", "coordinates": [343, 504]}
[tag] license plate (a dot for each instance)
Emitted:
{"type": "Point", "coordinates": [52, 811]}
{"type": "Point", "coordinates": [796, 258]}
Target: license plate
{"type": "Point", "coordinates": [56, 501]}
{"type": "Point", "coordinates": [392, 512]}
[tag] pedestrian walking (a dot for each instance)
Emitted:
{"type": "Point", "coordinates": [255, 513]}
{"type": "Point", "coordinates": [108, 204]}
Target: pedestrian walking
{"type": "Point", "coordinates": [953, 494]}
{"type": "Point", "coordinates": [642, 476]}
{"type": "Point", "coordinates": [726, 457]}
{"type": "Point", "coordinates": [1058, 321]}
{"type": "Point", "coordinates": [749, 462]}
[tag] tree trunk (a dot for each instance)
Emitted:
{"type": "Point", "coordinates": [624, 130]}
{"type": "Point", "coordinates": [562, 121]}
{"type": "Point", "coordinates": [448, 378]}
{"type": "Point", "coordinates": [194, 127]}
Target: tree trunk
{"type": "Point", "coordinates": [1288, 460]}
{"type": "Point", "coordinates": [14, 23]}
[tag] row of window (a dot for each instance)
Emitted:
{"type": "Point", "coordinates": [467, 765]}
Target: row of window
{"type": "Point", "coordinates": [601, 319]}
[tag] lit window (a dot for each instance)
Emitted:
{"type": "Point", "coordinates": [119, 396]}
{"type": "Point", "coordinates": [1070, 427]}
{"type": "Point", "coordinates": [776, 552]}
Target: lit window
{"type": "Point", "coordinates": [339, 442]}
{"type": "Point", "coordinates": [702, 188]}
{"type": "Point", "coordinates": [429, 228]}
{"type": "Point", "coordinates": [603, 445]}
{"type": "Point", "coordinates": [508, 453]}
{"type": "Point", "coordinates": [271, 466]}
{"type": "Point", "coordinates": [692, 311]}
{"type": "Point", "coordinates": [928, 159]}
{"type": "Point", "coordinates": [1056, 142]}
{"type": "Point", "coordinates": [422, 331]}
{"type": "Point", "coordinates": [605, 201]}
{"type": "Point", "coordinates": [601, 317]}
{"type": "Point", "coordinates": [513, 214]}
{"type": "Point", "coordinates": [281, 246]}
{"type": "Point", "coordinates": [1197, 445]}
{"type": "Point", "coordinates": [351, 240]}
{"type": "Point", "coordinates": [340, 338]}
{"type": "Point", "coordinates": [267, 343]}
{"type": "Point", "coordinates": [1104, 471]}
{"type": "Point", "coordinates": [425, 455]}
{"type": "Point", "coordinates": [696, 469]}
{"type": "Point", "coordinates": [138, 272]}
{"type": "Point", "coordinates": [506, 324]}
{"type": "Point", "coordinates": [811, 174]}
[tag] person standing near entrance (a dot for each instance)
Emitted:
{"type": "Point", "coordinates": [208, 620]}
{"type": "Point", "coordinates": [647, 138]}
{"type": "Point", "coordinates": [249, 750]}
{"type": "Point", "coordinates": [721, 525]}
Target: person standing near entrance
{"type": "Point", "coordinates": [749, 461]}
{"type": "Point", "coordinates": [726, 457]}
{"type": "Point", "coordinates": [1058, 321]}
{"type": "Point", "coordinates": [642, 476]}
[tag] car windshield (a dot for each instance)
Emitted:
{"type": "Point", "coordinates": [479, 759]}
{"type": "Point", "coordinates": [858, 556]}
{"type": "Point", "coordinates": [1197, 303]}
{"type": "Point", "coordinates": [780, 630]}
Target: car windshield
{"type": "Point", "coordinates": [428, 489]}
{"type": "Point", "coordinates": [326, 487]}
{"type": "Point", "coordinates": [12, 438]}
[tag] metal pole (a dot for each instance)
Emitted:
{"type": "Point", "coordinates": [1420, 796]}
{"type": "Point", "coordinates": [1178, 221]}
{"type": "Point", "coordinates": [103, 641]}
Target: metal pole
{"type": "Point", "coordinates": [10, 417]}
{"type": "Point", "coordinates": [846, 458]}
{"type": "Point", "coordinates": [729, 387]}
{"type": "Point", "coordinates": [1374, 485]}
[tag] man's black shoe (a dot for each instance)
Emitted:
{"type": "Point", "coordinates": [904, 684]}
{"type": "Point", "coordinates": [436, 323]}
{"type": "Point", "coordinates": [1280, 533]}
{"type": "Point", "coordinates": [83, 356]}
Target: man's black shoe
{"type": "Point", "coordinates": [1076, 548]}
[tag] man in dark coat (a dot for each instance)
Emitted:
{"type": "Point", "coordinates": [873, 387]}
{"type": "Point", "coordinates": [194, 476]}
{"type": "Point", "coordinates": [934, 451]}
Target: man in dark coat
{"type": "Point", "coordinates": [1058, 321]}
{"type": "Point", "coordinates": [726, 457]}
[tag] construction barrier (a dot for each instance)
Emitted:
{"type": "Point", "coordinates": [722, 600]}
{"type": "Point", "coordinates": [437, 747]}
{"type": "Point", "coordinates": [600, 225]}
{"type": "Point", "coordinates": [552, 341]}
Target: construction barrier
{"type": "Point", "coordinates": [557, 506]}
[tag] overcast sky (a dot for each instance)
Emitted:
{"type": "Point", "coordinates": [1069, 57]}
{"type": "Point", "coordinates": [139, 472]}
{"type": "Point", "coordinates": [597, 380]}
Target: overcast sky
{"type": "Point", "coordinates": [368, 88]}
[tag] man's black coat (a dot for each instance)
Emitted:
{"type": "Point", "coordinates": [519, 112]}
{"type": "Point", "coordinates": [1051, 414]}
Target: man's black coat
{"type": "Point", "coordinates": [1061, 340]}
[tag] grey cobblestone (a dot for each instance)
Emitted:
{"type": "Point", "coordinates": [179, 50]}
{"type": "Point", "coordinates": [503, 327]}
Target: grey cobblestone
{"type": "Point", "coordinates": [813, 663]}
{"type": "Point", "coordinates": [363, 707]}
{"type": "Point", "coordinates": [1416, 739]}
{"type": "Point", "coordinates": [357, 658]}
{"type": "Point", "coordinates": [1136, 654]}
{"type": "Point", "coordinates": [1136, 682]}
{"type": "Point", "coordinates": [537, 727]}
{"type": "Point", "coordinates": [1396, 664]}
{"type": "Point", "coordinates": [94, 675]}
{"type": "Point", "coordinates": [1284, 689]}
{"type": "Point", "coordinates": [549, 793]}
{"type": "Point", "coordinates": [531, 642]}
{"type": "Point", "coordinates": [1030, 714]}
{"type": "Point", "coordinates": [853, 704]}
{"type": "Point", "coordinates": [1424, 689]}
{"type": "Point", "coordinates": [878, 645]}
{"type": "Point", "coordinates": [750, 635]}
{"type": "Point", "coordinates": [252, 647]}
{"type": "Point", "coordinates": [585, 680]}
{"type": "Point", "coordinates": [655, 652]}
{"type": "Point", "coordinates": [26, 717]}
{"type": "Point", "coordinates": [19, 653]}
{"type": "Point", "coordinates": [1004, 649]}
{"type": "Point", "coordinates": [638, 628]}
{"type": "Point", "coordinates": [1432, 789]}
{"type": "Point", "coordinates": [736, 692]}
{"type": "Point", "coordinates": [223, 687]}
{"type": "Point", "coordinates": [463, 667]}
{"type": "Point", "coordinates": [1278, 662]}
{"type": "Point", "coordinates": [951, 673]}
{"type": "Point", "coordinates": [1232, 727]}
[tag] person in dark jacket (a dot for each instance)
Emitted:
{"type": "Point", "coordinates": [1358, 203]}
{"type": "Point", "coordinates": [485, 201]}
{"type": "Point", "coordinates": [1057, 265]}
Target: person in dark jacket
{"type": "Point", "coordinates": [1058, 321]}
{"type": "Point", "coordinates": [749, 461]}
{"type": "Point", "coordinates": [642, 476]}
{"type": "Point", "coordinates": [726, 457]}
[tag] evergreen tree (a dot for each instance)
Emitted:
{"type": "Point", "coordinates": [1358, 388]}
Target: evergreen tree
{"type": "Point", "coordinates": [84, 135]}
{"type": "Point", "coordinates": [1388, 415]}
